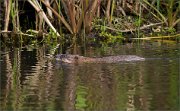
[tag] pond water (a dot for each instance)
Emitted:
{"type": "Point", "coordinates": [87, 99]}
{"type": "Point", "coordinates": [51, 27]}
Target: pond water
{"type": "Point", "coordinates": [30, 81]}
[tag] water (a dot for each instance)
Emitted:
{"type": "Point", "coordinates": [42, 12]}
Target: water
{"type": "Point", "coordinates": [30, 81]}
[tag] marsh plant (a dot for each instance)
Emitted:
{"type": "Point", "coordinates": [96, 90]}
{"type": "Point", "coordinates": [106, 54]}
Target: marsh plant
{"type": "Point", "coordinates": [59, 17]}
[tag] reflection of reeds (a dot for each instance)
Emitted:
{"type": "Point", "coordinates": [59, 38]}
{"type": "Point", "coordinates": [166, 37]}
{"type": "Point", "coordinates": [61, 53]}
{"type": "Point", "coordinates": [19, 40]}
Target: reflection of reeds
{"type": "Point", "coordinates": [16, 85]}
{"type": "Point", "coordinates": [44, 81]}
{"type": "Point", "coordinates": [8, 81]}
{"type": "Point", "coordinates": [41, 78]}
{"type": "Point", "coordinates": [70, 89]}
{"type": "Point", "coordinates": [13, 81]}
{"type": "Point", "coordinates": [130, 97]}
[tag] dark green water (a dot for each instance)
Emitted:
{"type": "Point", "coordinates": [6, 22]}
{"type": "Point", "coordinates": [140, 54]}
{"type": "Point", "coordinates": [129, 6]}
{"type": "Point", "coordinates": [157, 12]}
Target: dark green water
{"type": "Point", "coordinates": [29, 81]}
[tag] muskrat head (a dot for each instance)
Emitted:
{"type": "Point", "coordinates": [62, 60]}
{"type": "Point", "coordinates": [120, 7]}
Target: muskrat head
{"type": "Point", "coordinates": [67, 58]}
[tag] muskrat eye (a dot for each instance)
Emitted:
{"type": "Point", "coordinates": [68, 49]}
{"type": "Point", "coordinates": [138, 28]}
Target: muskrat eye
{"type": "Point", "coordinates": [76, 57]}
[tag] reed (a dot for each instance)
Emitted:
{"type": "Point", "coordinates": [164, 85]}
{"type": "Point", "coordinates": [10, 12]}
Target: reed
{"type": "Point", "coordinates": [108, 10]}
{"type": "Point", "coordinates": [76, 16]}
{"type": "Point", "coordinates": [15, 15]}
{"type": "Point", "coordinates": [58, 3]}
{"type": "Point", "coordinates": [41, 13]}
{"type": "Point", "coordinates": [139, 19]}
{"type": "Point", "coordinates": [112, 10]}
{"type": "Point", "coordinates": [90, 14]}
{"type": "Point", "coordinates": [60, 17]}
{"type": "Point", "coordinates": [162, 19]}
{"type": "Point", "coordinates": [172, 13]}
{"type": "Point", "coordinates": [7, 13]}
{"type": "Point", "coordinates": [1, 15]}
{"type": "Point", "coordinates": [158, 5]}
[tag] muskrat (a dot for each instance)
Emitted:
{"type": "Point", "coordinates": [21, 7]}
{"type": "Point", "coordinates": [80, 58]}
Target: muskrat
{"type": "Point", "coordinates": [68, 58]}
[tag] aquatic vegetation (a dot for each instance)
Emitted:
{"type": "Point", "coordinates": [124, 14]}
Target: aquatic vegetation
{"type": "Point", "coordinates": [56, 18]}
{"type": "Point", "coordinates": [172, 8]}
{"type": "Point", "coordinates": [80, 101]}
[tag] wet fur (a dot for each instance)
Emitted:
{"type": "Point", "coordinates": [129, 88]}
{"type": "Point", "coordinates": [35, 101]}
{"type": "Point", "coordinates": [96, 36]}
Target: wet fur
{"type": "Point", "coordinates": [67, 58]}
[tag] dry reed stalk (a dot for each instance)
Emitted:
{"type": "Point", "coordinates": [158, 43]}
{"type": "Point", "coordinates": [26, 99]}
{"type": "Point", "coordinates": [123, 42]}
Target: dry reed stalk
{"type": "Point", "coordinates": [59, 16]}
{"type": "Point", "coordinates": [72, 14]}
{"type": "Point", "coordinates": [89, 14]}
{"type": "Point", "coordinates": [108, 10]}
{"type": "Point", "coordinates": [15, 16]}
{"type": "Point", "coordinates": [77, 13]}
{"type": "Point", "coordinates": [7, 13]}
{"type": "Point", "coordinates": [48, 10]}
{"type": "Point", "coordinates": [41, 13]}
{"type": "Point", "coordinates": [159, 37]}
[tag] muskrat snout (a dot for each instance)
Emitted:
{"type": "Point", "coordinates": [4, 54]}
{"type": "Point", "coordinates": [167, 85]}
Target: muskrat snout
{"type": "Point", "coordinates": [67, 58]}
{"type": "Point", "coordinates": [66, 61]}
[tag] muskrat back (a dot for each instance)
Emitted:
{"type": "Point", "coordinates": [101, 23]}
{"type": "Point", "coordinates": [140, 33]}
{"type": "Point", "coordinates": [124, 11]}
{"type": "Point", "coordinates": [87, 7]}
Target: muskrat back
{"type": "Point", "coordinates": [68, 58]}
{"type": "Point", "coordinates": [121, 58]}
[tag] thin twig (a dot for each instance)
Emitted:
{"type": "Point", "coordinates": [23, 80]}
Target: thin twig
{"type": "Point", "coordinates": [130, 30]}
{"type": "Point", "coordinates": [156, 37]}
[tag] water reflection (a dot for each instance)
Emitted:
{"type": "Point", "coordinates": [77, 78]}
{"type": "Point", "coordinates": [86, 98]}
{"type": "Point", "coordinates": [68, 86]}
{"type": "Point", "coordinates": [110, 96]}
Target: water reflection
{"type": "Point", "coordinates": [30, 81]}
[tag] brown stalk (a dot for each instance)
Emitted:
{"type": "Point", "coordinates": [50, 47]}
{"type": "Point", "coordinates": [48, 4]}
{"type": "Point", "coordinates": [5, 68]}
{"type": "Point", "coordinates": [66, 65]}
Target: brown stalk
{"type": "Point", "coordinates": [41, 13]}
{"type": "Point", "coordinates": [72, 13]}
{"type": "Point", "coordinates": [7, 14]}
{"type": "Point", "coordinates": [108, 9]}
{"type": "Point", "coordinates": [89, 14]}
{"type": "Point", "coordinates": [98, 10]}
{"type": "Point", "coordinates": [59, 16]}
{"type": "Point", "coordinates": [79, 22]}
